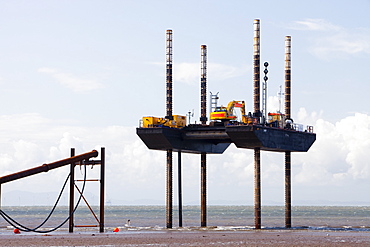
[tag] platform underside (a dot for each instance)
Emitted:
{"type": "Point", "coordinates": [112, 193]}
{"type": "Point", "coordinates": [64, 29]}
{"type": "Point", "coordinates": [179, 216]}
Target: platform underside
{"type": "Point", "coordinates": [216, 139]}
{"type": "Point", "coordinates": [163, 138]}
{"type": "Point", "coordinates": [270, 139]}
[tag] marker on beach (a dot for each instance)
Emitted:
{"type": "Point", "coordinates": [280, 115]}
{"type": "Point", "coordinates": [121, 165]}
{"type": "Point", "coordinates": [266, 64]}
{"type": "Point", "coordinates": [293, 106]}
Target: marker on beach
{"type": "Point", "coordinates": [116, 229]}
{"type": "Point", "coordinates": [16, 231]}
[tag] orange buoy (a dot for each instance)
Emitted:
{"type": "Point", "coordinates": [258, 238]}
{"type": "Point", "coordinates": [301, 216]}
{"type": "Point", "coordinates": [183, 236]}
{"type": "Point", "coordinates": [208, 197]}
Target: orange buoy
{"type": "Point", "coordinates": [116, 229]}
{"type": "Point", "coordinates": [16, 231]}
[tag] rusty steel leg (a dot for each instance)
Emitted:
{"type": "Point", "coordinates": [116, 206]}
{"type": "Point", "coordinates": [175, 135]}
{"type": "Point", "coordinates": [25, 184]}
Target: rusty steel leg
{"type": "Point", "coordinates": [288, 203]}
{"type": "Point", "coordinates": [179, 187]}
{"type": "Point", "coordinates": [102, 188]}
{"type": "Point", "coordinates": [203, 184]}
{"type": "Point", "coordinates": [257, 188]}
{"type": "Point", "coordinates": [169, 190]}
{"type": "Point", "coordinates": [71, 192]}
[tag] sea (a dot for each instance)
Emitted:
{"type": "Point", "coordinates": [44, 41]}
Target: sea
{"type": "Point", "coordinates": [153, 218]}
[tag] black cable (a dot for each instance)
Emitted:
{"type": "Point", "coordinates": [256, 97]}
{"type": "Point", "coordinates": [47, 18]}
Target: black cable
{"type": "Point", "coordinates": [8, 219]}
{"type": "Point", "coordinates": [47, 218]}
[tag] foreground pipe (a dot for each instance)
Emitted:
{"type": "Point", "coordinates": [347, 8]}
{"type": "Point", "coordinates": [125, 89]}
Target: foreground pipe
{"type": "Point", "coordinates": [288, 196]}
{"type": "Point", "coordinates": [71, 193]}
{"type": "Point", "coordinates": [48, 167]}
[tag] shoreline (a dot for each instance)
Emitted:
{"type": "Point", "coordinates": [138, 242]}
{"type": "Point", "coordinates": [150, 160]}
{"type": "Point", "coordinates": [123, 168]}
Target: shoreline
{"type": "Point", "coordinates": [172, 237]}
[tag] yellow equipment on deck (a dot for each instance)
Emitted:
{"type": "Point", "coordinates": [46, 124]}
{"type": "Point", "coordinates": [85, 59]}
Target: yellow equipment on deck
{"type": "Point", "coordinates": [178, 121]}
{"type": "Point", "coordinates": [225, 114]}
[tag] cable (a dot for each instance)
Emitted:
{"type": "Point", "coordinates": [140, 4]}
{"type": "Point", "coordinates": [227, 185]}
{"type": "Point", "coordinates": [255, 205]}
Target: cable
{"type": "Point", "coordinates": [19, 226]}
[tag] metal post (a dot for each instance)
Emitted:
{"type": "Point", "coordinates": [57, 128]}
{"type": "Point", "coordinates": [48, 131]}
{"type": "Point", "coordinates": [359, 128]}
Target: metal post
{"type": "Point", "coordinates": [102, 188]}
{"type": "Point", "coordinates": [287, 76]}
{"type": "Point", "coordinates": [179, 187]}
{"type": "Point", "coordinates": [169, 116]}
{"type": "Point", "coordinates": [257, 188]}
{"type": "Point", "coordinates": [257, 111]}
{"type": "Point", "coordinates": [203, 184]}
{"type": "Point", "coordinates": [288, 198]}
{"type": "Point", "coordinates": [203, 85]}
{"type": "Point", "coordinates": [169, 189]}
{"type": "Point", "coordinates": [256, 59]}
{"type": "Point", "coordinates": [169, 75]}
{"type": "Point", "coordinates": [71, 192]}
{"type": "Point", "coordinates": [203, 119]}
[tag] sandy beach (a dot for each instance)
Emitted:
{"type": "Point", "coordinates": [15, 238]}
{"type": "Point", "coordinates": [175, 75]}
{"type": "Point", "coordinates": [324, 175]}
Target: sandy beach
{"type": "Point", "coordinates": [193, 238]}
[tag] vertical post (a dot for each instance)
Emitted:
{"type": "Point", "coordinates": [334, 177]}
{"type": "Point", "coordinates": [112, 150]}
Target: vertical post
{"type": "Point", "coordinates": [179, 187]}
{"type": "Point", "coordinates": [287, 76]}
{"type": "Point", "coordinates": [102, 188]}
{"type": "Point", "coordinates": [203, 184]}
{"type": "Point", "coordinates": [170, 117]}
{"type": "Point", "coordinates": [288, 199]}
{"type": "Point", "coordinates": [71, 192]}
{"type": "Point", "coordinates": [256, 62]}
{"type": "Point", "coordinates": [257, 111]}
{"type": "Point", "coordinates": [169, 75]}
{"type": "Point", "coordinates": [169, 189]}
{"type": "Point", "coordinates": [203, 85]}
{"type": "Point", "coordinates": [203, 119]}
{"type": "Point", "coordinates": [257, 188]}
{"type": "Point", "coordinates": [288, 203]}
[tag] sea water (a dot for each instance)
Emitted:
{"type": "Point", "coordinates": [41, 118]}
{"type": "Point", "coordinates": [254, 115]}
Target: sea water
{"type": "Point", "coordinates": [133, 218]}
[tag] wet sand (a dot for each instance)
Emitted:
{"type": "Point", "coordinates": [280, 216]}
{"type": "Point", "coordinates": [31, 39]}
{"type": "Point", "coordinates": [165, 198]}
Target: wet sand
{"type": "Point", "coordinates": [192, 238]}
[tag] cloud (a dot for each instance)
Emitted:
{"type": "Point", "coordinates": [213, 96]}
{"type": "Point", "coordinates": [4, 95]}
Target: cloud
{"type": "Point", "coordinates": [315, 25]}
{"type": "Point", "coordinates": [339, 157]}
{"type": "Point", "coordinates": [340, 153]}
{"type": "Point", "coordinates": [333, 41]}
{"type": "Point", "coordinates": [71, 81]}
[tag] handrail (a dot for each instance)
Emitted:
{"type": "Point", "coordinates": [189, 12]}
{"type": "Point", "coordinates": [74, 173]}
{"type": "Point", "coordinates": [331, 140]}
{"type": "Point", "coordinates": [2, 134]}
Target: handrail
{"type": "Point", "coordinates": [47, 167]}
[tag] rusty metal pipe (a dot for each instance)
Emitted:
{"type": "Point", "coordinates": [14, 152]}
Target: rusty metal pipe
{"type": "Point", "coordinates": [287, 77]}
{"type": "Point", "coordinates": [256, 62]}
{"type": "Point", "coordinates": [288, 196]}
{"type": "Point", "coordinates": [102, 189]}
{"type": "Point", "coordinates": [47, 167]}
{"type": "Point", "coordinates": [169, 75]}
{"type": "Point", "coordinates": [71, 193]}
{"type": "Point", "coordinates": [179, 178]}
{"type": "Point", "coordinates": [203, 85]}
{"type": "Point", "coordinates": [169, 190]}
{"type": "Point", "coordinates": [257, 188]}
{"type": "Point", "coordinates": [203, 190]}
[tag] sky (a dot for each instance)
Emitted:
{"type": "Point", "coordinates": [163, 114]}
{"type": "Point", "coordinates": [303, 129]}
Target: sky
{"type": "Point", "coordinates": [81, 74]}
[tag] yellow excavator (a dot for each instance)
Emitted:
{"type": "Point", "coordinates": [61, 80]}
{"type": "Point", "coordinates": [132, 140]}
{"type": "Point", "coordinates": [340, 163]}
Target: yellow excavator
{"type": "Point", "coordinates": [226, 114]}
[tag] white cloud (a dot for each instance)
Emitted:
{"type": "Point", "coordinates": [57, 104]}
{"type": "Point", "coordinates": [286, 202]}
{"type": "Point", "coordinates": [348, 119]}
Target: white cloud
{"type": "Point", "coordinates": [334, 41]}
{"type": "Point", "coordinates": [340, 153]}
{"type": "Point", "coordinates": [315, 25]}
{"type": "Point", "coordinates": [71, 81]}
{"type": "Point", "coordinates": [338, 157]}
